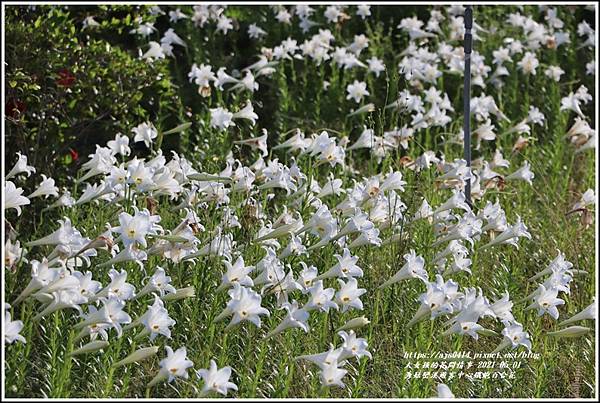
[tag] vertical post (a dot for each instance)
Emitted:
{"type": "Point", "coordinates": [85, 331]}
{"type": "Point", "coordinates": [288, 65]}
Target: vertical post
{"type": "Point", "coordinates": [468, 44]}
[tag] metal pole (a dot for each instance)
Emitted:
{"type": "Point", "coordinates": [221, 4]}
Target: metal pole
{"type": "Point", "coordinates": [468, 44]}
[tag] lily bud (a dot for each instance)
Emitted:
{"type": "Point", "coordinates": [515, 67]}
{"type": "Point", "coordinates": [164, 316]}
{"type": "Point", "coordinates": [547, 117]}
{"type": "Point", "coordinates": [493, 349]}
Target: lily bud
{"type": "Point", "coordinates": [354, 324]}
{"type": "Point", "coordinates": [161, 376]}
{"type": "Point", "coordinates": [573, 331]}
{"type": "Point", "coordinates": [90, 347]}
{"type": "Point", "coordinates": [188, 292]}
{"type": "Point", "coordinates": [137, 355]}
{"type": "Point", "coordinates": [503, 344]}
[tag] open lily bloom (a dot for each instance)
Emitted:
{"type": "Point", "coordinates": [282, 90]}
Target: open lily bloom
{"type": "Point", "coordinates": [547, 302]}
{"type": "Point", "coordinates": [331, 375]}
{"type": "Point", "coordinates": [20, 167]}
{"type": "Point", "coordinates": [216, 380]}
{"type": "Point", "coordinates": [118, 286]}
{"type": "Point", "coordinates": [159, 282]}
{"type": "Point", "coordinates": [13, 198]}
{"type": "Point", "coordinates": [511, 235]}
{"type": "Point", "coordinates": [173, 366]}
{"type": "Point", "coordinates": [348, 296]}
{"type": "Point", "coordinates": [134, 229]}
{"type": "Point", "coordinates": [245, 305]}
{"type": "Point", "coordinates": [11, 328]}
{"type": "Point", "coordinates": [236, 274]}
{"type": "Point", "coordinates": [157, 321]}
{"type": "Point", "coordinates": [514, 336]}
{"type": "Point", "coordinates": [307, 173]}
{"type": "Point", "coordinates": [413, 268]}
{"type": "Point", "coordinates": [353, 346]}
{"type": "Point", "coordinates": [324, 359]}
{"type": "Point", "coordinates": [41, 276]}
{"type": "Point", "coordinates": [320, 298]}
{"type": "Point", "coordinates": [296, 317]}
{"type": "Point", "coordinates": [111, 314]}
{"type": "Point", "coordinates": [62, 300]}
{"type": "Point", "coordinates": [524, 173]}
{"type": "Point", "coordinates": [346, 267]}
{"type": "Point", "coordinates": [46, 188]}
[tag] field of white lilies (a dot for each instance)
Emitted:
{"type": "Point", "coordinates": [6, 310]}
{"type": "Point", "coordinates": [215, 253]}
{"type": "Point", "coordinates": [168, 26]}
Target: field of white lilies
{"type": "Point", "coordinates": [297, 225]}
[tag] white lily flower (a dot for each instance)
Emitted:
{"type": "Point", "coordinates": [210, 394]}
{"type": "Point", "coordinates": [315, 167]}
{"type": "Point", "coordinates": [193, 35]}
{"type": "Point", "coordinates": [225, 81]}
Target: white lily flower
{"type": "Point", "coordinates": [457, 200]}
{"type": "Point", "coordinates": [41, 276]}
{"type": "Point", "coordinates": [331, 375]}
{"type": "Point", "coordinates": [145, 132]}
{"type": "Point", "coordinates": [444, 392]}
{"type": "Point", "coordinates": [320, 298]}
{"type": "Point", "coordinates": [216, 380]}
{"type": "Point", "coordinates": [357, 90]}
{"type": "Point", "coordinates": [413, 268]}
{"type": "Point", "coordinates": [221, 118]}
{"type": "Point", "coordinates": [11, 328]}
{"type": "Point", "coordinates": [61, 300]}
{"type": "Point", "coordinates": [120, 145]}
{"type": "Point", "coordinates": [156, 321]}
{"type": "Point", "coordinates": [514, 336]}
{"type": "Point", "coordinates": [345, 267]}
{"type": "Point", "coordinates": [248, 113]}
{"type": "Point", "coordinates": [20, 167]}
{"type": "Point", "coordinates": [173, 366]}
{"type": "Point", "coordinates": [296, 317]}
{"type": "Point", "coordinates": [245, 306]}
{"type": "Point", "coordinates": [353, 346]}
{"type": "Point", "coordinates": [236, 274]}
{"type": "Point", "coordinates": [13, 198]}
{"type": "Point", "coordinates": [118, 286]}
{"type": "Point", "coordinates": [546, 301]}
{"type": "Point", "coordinates": [510, 235]}
{"type": "Point", "coordinates": [159, 282]}
{"type": "Point", "coordinates": [323, 359]}
{"type": "Point", "coordinates": [523, 173]}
